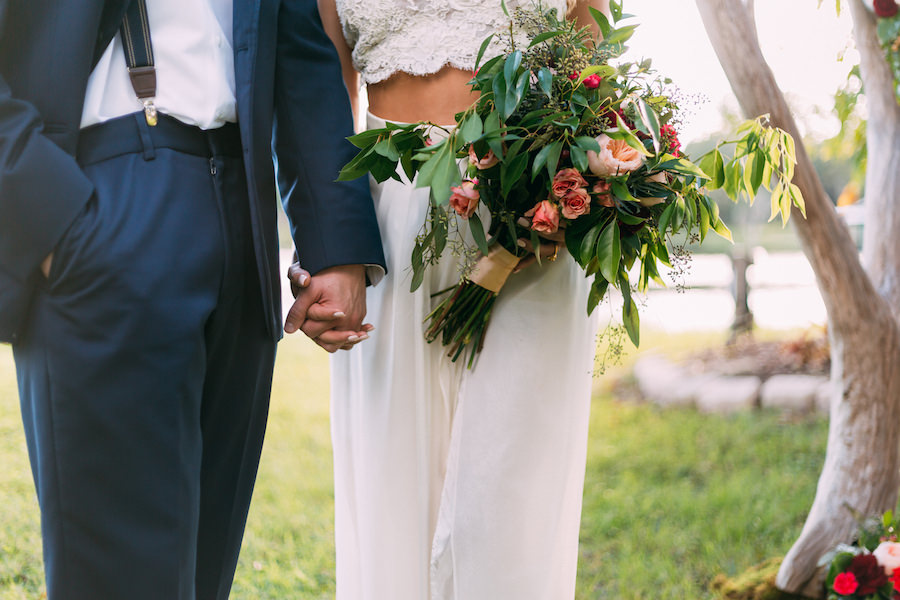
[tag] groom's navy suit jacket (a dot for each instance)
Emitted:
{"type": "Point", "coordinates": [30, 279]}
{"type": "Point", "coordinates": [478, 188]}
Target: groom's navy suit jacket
{"type": "Point", "coordinates": [287, 80]}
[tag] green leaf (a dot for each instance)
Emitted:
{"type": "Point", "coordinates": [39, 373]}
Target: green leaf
{"type": "Point", "coordinates": [665, 218]}
{"type": "Point", "coordinates": [387, 149]}
{"type": "Point", "coordinates": [620, 35]}
{"type": "Point", "coordinates": [704, 221]}
{"type": "Point", "coordinates": [598, 291]}
{"type": "Point", "coordinates": [632, 321]}
{"type": "Point", "coordinates": [579, 158]}
{"type": "Point", "coordinates": [477, 229]}
{"type": "Point", "coordinates": [545, 81]}
{"type": "Point", "coordinates": [472, 128]}
{"type": "Point", "coordinates": [797, 198]}
{"type": "Point", "coordinates": [511, 67]}
{"type": "Point", "coordinates": [601, 20]}
{"type": "Point", "coordinates": [492, 123]}
{"type": "Point", "coordinates": [621, 192]}
{"type": "Point", "coordinates": [539, 161]}
{"type": "Point", "coordinates": [650, 121]}
{"type": "Point", "coordinates": [553, 157]}
{"type": "Point", "coordinates": [481, 50]}
{"type": "Point", "coordinates": [543, 37]}
{"type": "Point", "coordinates": [512, 171]}
{"type": "Point", "coordinates": [588, 143]}
{"type": "Point", "coordinates": [365, 139]}
{"type": "Point", "coordinates": [609, 251]}
{"type": "Point", "coordinates": [499, 88]}
{"type": "Point", "coordinates": [418, 267]}
{"type": "Point", "coordinates": [588, 243]}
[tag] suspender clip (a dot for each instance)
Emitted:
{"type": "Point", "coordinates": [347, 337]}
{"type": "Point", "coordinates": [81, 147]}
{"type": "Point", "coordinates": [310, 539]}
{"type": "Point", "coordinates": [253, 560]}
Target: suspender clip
{"type": "Point", "coordinates": [150, 112]}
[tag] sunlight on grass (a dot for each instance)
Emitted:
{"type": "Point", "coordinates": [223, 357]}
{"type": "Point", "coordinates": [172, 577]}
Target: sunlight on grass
{"type": "Point", "coordinates": [672, 497]}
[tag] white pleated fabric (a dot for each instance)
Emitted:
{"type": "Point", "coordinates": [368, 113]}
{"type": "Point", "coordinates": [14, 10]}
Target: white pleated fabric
{"type": "Point", "coordinates": [456, 484]}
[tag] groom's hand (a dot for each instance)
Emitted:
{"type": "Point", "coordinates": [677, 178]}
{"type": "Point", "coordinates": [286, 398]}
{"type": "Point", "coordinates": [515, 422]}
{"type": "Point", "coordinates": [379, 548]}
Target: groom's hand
{"type": "Point", "coordinates": [329, 307]}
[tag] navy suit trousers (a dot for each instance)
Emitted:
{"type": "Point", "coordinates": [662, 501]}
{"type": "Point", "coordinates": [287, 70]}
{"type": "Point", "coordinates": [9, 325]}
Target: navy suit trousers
{"type": "Point", "coordinates": [145, 371]}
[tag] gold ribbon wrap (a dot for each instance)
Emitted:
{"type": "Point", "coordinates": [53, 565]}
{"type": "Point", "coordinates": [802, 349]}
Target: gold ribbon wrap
{"type": "Point", "coordinates": [491, 271]}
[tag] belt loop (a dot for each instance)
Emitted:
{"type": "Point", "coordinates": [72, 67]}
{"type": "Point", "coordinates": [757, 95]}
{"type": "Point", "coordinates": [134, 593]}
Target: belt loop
{"type": "Point", "coordinates": [146, 141]}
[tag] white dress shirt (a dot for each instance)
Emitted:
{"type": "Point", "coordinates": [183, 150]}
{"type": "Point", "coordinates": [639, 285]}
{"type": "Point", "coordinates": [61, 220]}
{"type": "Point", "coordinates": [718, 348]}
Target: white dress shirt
{"type": "Point", "coordinates": [192, 47]}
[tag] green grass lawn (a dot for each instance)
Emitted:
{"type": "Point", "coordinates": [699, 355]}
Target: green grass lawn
{"type": "Point", "coordinates": [672, 497]}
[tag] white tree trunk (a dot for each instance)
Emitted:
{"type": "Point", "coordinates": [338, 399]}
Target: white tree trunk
{"type": "Point", "coordinates": [861, 463]}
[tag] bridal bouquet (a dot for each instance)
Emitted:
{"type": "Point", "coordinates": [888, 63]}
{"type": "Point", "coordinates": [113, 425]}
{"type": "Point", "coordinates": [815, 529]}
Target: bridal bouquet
{"type": "Point", "coordinates": [566, 140]}
{"type": "Point", "coordinates": [870, 568]}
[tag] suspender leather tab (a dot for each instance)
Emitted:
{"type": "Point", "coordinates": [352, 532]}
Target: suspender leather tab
{"type": "Point", "coordinates": [138, 50]}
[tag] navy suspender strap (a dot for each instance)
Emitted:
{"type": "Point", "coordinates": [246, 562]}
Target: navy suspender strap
{"type": "Point", "coordinates": [138, 49]}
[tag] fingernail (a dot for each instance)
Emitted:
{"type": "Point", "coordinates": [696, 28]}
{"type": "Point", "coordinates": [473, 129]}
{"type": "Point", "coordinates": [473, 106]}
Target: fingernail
{"type": "Point", "coordinates": [338, 315]}
{"type": "Point", "coordinates": [353, 338]}
{"type": "Point", "coordinates": [304, 278]}
{"type": "Point", "coordinates": [364, 336]}
{"type": "Point", "coordinates": [289, 328]}
{"type": "Point", "coordinates": [369, 328]}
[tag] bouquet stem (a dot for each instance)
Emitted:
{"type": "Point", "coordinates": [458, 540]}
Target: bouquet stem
{"type": "Point", "coordinates": [461, 319]}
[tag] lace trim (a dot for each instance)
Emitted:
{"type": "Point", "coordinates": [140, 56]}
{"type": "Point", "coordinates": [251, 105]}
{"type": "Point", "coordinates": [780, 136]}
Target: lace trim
{"type": "Point", "coordinates": [421, 37]}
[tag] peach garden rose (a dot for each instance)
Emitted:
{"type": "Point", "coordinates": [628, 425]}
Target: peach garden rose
{"type": "Point", "coordinates": [888, 555]}
{"type": "Point", "coordinates": [616, 157]}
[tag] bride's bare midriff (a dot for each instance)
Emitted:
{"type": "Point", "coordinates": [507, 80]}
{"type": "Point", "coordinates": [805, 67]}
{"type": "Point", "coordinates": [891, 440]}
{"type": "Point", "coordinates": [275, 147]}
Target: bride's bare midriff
{"type": "Point", "coordinates": [409, 98]}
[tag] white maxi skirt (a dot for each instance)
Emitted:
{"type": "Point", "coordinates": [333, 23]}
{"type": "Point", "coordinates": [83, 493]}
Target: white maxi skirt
{"type": "Point", "coordinates": [457, 484]}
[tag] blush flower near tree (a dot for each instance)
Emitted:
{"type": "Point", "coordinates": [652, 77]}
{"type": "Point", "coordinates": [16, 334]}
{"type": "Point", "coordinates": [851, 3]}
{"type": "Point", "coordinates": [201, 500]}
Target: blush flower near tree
{"type": "Point", "coordinates": [868, 569]}
{"type": "Point", "coordinates": [566, 138]}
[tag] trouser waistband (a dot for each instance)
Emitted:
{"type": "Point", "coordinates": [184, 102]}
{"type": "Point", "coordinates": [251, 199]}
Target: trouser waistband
{"type": "Point", "coordinates": [130, 134]}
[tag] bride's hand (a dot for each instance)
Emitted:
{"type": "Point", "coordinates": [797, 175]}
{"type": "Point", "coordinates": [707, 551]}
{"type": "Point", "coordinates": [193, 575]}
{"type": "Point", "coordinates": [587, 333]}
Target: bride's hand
{"type": "Point", "coordinates": [549, 251]}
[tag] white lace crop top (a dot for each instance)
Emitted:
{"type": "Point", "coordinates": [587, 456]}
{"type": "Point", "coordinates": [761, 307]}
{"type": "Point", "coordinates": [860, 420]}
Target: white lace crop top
{"type": "Point", "coordinates": [420, 37]}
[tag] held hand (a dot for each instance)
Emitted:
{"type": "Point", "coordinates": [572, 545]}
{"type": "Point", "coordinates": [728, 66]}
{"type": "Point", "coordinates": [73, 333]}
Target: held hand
{"type": "Point", "coordinates": [45, 266]}
{"type": "Point", "coordinates": [549, 251]}
{"type": "Point", "coordinates": [331, 307]}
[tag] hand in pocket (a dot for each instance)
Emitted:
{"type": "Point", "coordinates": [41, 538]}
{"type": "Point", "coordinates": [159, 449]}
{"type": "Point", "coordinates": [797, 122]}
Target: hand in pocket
{"type": "Point", "coordinates": [45, 266]}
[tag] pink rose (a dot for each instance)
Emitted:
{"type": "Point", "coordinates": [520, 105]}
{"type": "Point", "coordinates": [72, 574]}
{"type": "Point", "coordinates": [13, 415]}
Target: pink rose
{"type": "Point", "coordinates": [545, 217]}
{"type": "Point", "coordinates": [592, 82]}
{"type": "Point", "coordinates": [565, 181]}
{"type": "Point", "coordinates": [616, 157]}
{"type": "Point", "coordinates": [604, 198]}
{"type": "Point", "coordinates": [485, 162]}
{"type": "Point", "coordinates": [464, 198]}
{"type": "Point", "coordinates": [575, 203]}
{"type": "Point", "coordinates": [888, 555]}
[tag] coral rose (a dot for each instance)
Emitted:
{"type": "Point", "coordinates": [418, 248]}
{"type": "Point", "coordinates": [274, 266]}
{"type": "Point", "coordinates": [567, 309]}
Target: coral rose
{"type": "Point", "coordinates": [604, 198]}
{"type": "Point", "coordinates": [464, 198]}
{"type": "Point", "coordinates": [845, 584]}
{"type": "Point", "coordinates": [485, 162]}
{"type": "Point", "coordinates": [885, 8]}
{"type": "Point", "coordinates": [544, 217]}
{"type": "Point", "coordinates": [565, 181]}
{"type": "Point", "coordinates": [888, 555]}
{"type": "Point", "coordinates": [616, 157]}
{"type": "Point", "coordinates": [575, 203]}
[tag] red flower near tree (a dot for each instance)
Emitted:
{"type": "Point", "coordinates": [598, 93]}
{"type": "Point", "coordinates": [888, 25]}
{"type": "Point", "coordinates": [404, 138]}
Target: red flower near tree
{"type": "Point", "coordinates": [885, 8]}
{"type": "Point", "coordinates": [869, 574]}
{"type": "Point", "coordinates": [845, 583]}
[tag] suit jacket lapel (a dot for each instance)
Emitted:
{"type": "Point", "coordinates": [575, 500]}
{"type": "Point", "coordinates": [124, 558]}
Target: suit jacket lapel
{"type": "Point", "coordinates": [110, 19]}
